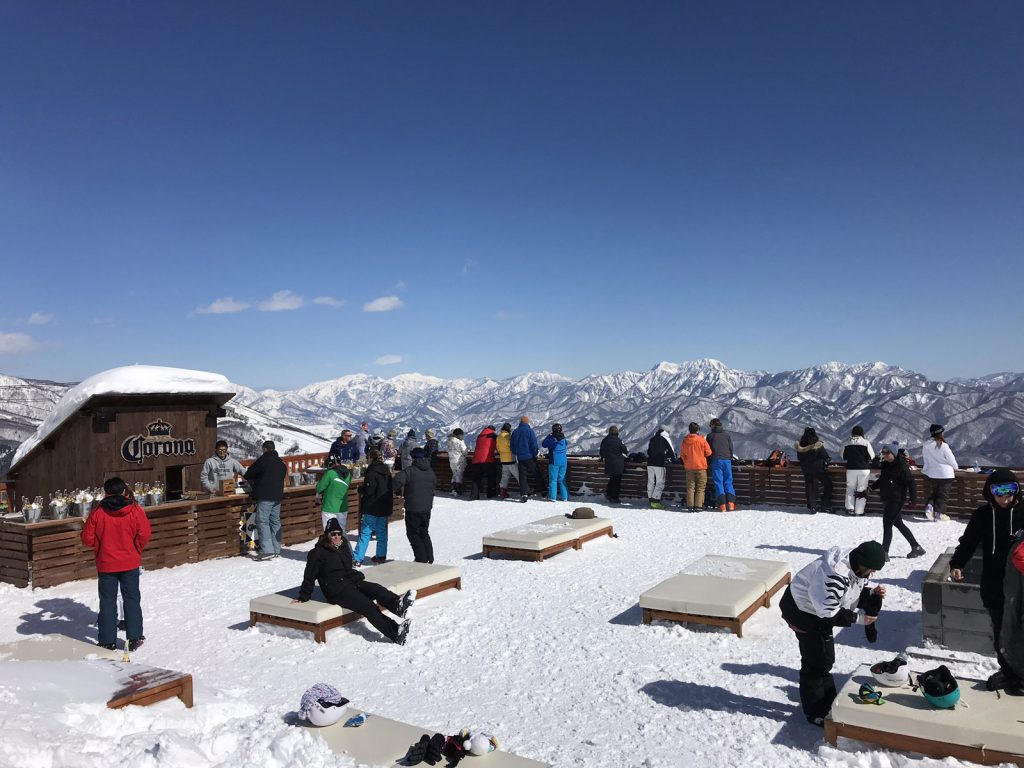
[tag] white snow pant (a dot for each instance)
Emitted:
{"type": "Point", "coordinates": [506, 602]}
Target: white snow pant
{"type": "Point", "coordinates": [856, 481]}
{"type": "Point", "coordinates": [655, 482]}
{"type": "Point", "coordinates": [509, 472]}
{"type": "Point", "coordinates": [458, 468]}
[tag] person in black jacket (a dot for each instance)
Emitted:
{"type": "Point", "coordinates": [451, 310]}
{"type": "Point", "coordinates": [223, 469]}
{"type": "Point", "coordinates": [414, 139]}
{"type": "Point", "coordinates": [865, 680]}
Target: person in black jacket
{"type": "Point", "coordinates": [659, 454]}
{"type": "Point", "coordinates": [858, 455]}
{"type": "Point", "coordinates": [417, 485]}
{"type": "Point", "coordinates": [613, 453]}
{"type": "Point", "coordinates": [813, 463]}
{"type": "Point", "coordinates": [992, 526]}
{"type": "Point", "coordinates": [330, 563]}
{"type": "Point", "coordinates": [266, 485]}
{"type": "Point", "coordinates": [430, 446]}
{"type": "Point", "coordinates": [894, 484]}
{"type": "Point", "coordinates": [376, 502]}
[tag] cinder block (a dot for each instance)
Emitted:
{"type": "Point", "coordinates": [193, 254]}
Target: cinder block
{"type": "Point", "coordinates": [970, 621]}
{"type": "Point", "coordinates": [968, 641]}
{"type": "Point", "coordinates": [962, 596]}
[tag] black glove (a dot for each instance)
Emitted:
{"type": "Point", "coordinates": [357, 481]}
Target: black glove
{"type": "Point", "coordinates": [454, 750]}
{"type": "Point", "coordinates": [417, 751]}
{"type": "Point", "coordinates": [860, 495]}
{"type": "Point", "coordinates": [433, 756]}
{"type": "Point", "coordinates": [871, 632]}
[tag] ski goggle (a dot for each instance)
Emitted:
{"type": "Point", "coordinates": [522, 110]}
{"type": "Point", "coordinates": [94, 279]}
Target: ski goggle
{"type": "Point", "coordinates": [1004, 489]}
{"type": "Point", "coordinates": [868, 695]}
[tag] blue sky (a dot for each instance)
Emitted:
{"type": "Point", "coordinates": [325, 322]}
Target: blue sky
{"type": "Point", "coordinates": [512, 186]}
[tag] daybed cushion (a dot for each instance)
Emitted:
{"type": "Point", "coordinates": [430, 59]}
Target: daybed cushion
{"type": "Point", "coordinates": [381, 741]}
{"type": "Point", "coordinates": [990, 720]}
{"type": "Point", "coordinates": [703, 595]}
{"type": "Point", "coordinates": [767, 572]}
{"type": "Point", "coordinates": [55, 648]}
{"type": "Point", "coordinates": [397, 576]}
{"type": "Point", "coordinates": [541, 534]}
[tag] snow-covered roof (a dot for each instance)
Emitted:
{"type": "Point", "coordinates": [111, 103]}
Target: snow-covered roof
{"type": "Point", "coordinates": [128, 380]}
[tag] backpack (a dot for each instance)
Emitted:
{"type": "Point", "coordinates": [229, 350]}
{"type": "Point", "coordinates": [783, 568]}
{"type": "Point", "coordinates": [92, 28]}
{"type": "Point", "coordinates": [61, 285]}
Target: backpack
{"type": "Point", "coordinates": [777, 458]}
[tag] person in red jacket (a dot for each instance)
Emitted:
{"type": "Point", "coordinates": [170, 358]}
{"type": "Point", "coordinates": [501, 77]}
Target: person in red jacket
{"type": "Point", "coordinates": [485, 463]}
{"type": "Point", "coordinates": [117, 528]}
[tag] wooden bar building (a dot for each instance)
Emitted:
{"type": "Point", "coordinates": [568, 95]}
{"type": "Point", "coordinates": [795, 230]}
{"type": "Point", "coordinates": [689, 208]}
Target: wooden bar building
{"type": "Point", "coordinates": [140, 423]}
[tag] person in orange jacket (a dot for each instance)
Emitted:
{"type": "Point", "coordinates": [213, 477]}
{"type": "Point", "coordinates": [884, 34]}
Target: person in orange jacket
{"type": "Point", "coordinates": [118, 529]}
{"type": "Point", "coordinates": [694, 453]}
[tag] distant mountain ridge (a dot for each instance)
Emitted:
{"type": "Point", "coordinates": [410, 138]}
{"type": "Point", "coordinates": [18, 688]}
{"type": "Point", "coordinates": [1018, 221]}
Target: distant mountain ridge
{"type": "Point", "coordinates": [984, 417]}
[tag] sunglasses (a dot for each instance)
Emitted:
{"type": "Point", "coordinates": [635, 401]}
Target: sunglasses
{"type": "Point", "coordinates": [335, 533]}
{"type": "Point", "coordinates": [1004, 489]}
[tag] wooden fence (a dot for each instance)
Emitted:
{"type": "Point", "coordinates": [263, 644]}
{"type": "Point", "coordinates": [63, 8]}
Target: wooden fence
{"type": "Point", "coordinates": [50, 552]}
{"type": "Point", "coordinates": [754, 484]}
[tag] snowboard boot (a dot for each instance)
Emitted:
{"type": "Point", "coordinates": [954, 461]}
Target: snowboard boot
{"type": "Point", "coordinates": [721, 507]}
{"type": "Point", "coordinates": [503, 494]}
{"type": "Point", "coordinates": [732, 506]}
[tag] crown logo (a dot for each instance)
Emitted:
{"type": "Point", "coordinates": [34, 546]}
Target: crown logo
{"type": "Point", "coordinates": [159, 428]}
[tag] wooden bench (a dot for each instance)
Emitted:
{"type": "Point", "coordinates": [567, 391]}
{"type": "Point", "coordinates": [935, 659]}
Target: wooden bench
{"type": "Point", "coordinates": [988, 731]}
{"type": "Point", "coordinates": [317, 615]}
{"type": "Point", "coordinates": [381, 741]}
{"type": "Point", "coordinates": [716, 590]}
{"type": "Point", "coordinates": [541, 538]}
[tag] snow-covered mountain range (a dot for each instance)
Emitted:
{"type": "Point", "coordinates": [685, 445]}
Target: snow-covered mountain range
{"type": "Point", "coordinates": [984, 417]}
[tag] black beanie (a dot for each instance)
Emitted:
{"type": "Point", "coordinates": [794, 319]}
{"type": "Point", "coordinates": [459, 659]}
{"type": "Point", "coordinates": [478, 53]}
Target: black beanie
{"type": "Point", "coordinates": [869, 554]}
{"type": "Point", "coordinates": [333, 526]}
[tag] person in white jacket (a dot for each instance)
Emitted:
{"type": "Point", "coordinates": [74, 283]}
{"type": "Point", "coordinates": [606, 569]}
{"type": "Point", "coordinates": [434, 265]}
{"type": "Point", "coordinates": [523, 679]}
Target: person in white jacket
{"type": "Point", "coordinates": [457, 455]}
{"type": "Point", "coordinates": [831, 592]}
{"type": "Point", "coordinates": [858, 455]}
{"type": "Point", "coordinates": [940, 466]}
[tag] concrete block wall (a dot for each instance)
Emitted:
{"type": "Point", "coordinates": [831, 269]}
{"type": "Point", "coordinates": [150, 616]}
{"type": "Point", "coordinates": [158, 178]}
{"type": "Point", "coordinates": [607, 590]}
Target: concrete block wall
{"type": "Point", "coordinates": [951, 613]}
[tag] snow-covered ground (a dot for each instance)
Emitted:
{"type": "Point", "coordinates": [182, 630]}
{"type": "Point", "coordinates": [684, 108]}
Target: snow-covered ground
{"type": "Point", "coordinates": [551, 657]}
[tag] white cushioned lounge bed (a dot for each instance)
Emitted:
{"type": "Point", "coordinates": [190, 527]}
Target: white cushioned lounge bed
{"type": "Point", "coordinates": [537, 540]}
{"type": "Point", "coordinates": [381, 741]}
{"type": "Point", "coordinates": [318, 616]}
{"type": "Point", "coordinates": [987, 731]}
{"type": "Point", "coordinates": [717, 590]}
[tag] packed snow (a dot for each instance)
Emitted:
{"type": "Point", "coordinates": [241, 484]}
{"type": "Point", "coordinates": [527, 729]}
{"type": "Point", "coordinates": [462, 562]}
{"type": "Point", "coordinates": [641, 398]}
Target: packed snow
{"type": "Point", "coordinates": [551, 657]}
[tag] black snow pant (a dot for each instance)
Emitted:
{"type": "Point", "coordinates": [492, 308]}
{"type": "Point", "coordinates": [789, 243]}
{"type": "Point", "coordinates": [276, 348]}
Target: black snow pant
{"type": "Point", "coordinates": [417, 529]}
{"type": "Point", "coordinates": [484, 474]}
{"type": "Point", "coordinates": [811, 485]}
{"type": "Point", "coordinates": [995, 612]}
{"type": "Point", "coordinates": [817, 656]}
{"type": "Point", "coordinates": [363, 597]}
{"type": "Point", "coordinates": [892, 517]}
{"type": "Point", "coordinates": [614, 487]}
{"type": "Point", "coordinates": [529, 466]}
{"type": "Point", "coordinates": [939, 495]}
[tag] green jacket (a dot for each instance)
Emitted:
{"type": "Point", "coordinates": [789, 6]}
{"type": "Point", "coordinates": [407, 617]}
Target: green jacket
{"type": "Point", "coordinates": [334, 488]}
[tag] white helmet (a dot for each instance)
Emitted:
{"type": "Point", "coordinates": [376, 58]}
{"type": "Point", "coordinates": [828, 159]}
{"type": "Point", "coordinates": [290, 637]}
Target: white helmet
{"type": "Point", "coordinates": [322, 704]}
{"type": "Point", "coordinates": [892, 674]}
{"type": "Point", "coordinates": [323, 713]}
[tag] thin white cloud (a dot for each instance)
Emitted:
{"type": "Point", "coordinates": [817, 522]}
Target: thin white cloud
{"type": "Point", "coordinates": [225, 306]}
{"type": "Point", "coordinates": [383, 304]}
{"type": "Point", "coordinates": [281, 301]}
{"type": "Point", "coordinates": [329, 301]}
{"type": "Point", "coordinates": [40, 318]}
{"type": "Point", "coordinates": [388, 359]}
{"type": "Point", "coordinates": [400, 285]}
{"type": "Point", "coordinates": [467, 265]}
{"type": "Point", "coordinates": [16, 343]}
{"type": "Point", "coordinates": [503, 315]}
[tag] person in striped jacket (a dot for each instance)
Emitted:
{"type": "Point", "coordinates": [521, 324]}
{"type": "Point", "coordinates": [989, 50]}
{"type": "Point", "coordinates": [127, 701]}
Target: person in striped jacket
{"type": "Point", "coordinates": [832, 591]}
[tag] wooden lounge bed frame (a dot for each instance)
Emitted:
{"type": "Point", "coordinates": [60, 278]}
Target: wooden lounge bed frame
{"type": "Point", "coordinates": [381, 741]}
{"type": "Point", "coordinates": [988, 731]}
{"type": "Point", "coordinates": [318, 616]}
{"type": "Point", "coordinates": [716, 590]}
{"type": "Point", "coordinates": [55, 660]}
{"type": "Point", "coordinates": [542, 538]}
